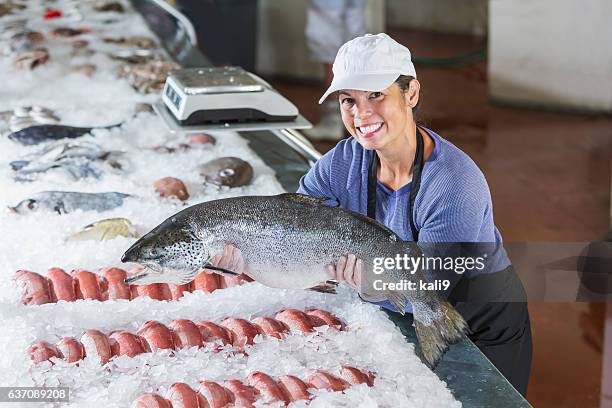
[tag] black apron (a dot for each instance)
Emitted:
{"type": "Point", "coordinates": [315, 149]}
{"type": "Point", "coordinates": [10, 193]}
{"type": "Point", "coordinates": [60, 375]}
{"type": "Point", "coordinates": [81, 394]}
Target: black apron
{"type": "Point", "coordinates": [501, 330]}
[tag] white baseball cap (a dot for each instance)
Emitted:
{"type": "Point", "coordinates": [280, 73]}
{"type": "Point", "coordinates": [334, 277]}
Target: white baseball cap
{"type": "Point", "coordinates": [369, 63]}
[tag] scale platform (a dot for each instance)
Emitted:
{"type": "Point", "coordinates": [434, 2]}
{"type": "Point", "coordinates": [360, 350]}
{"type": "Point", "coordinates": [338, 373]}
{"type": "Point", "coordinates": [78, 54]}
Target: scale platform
{"type": "Point", "coordinates": [300, 122]}
{"type": "Point", "coordinates": [223, 98]}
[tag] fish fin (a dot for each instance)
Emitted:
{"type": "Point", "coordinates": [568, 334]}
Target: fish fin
{"type": "Point", "coordinates": [446, 327]}
{"type": "Point", "coordinates": [177, 277]}
{"type": "Point", "coordinates": [133, 279]}
{"type": "Point", "coordinates": [221, 271]}
{"type": "Point", "coordinates": [303, 198]}
{"type": "Point", "coordinates": [88, 226]}
{"type": "Point", "coordinates": [392, 235]}
{"type": "Point", "coordinates": [186, 276]}
{"type": "Point", "coordinates": [107, 127]}
{"type": "Point", "coordinates": [399, 300]}
{"type": "Point", "coordinates": [326, 287]}
{"type": "Point", "coordinates": [59, 208]}
{"type": "Point", "coordinates": [114, 164]}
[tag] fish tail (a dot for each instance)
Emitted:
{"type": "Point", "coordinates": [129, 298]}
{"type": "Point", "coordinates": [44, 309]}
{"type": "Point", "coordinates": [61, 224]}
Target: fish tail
{"type": "Point", "coordinates": [437, 329]}
{"type": "Point", "coordinates": [436, 321]}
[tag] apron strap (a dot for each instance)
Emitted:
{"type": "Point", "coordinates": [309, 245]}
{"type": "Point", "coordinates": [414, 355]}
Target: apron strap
{"type": "Point", "coordinates": [417, 170]}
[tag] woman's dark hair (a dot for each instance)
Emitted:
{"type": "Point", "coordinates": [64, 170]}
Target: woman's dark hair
{"type": "Point", "coordinates": [403, 81]}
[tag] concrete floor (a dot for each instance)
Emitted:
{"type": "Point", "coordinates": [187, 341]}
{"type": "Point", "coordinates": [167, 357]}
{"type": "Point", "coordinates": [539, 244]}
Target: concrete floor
{"type": "Point", "coordinates": [549, 175]}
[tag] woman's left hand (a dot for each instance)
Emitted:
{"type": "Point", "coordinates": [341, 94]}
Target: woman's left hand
{"type": "Point", "coordinates": [348, 269]}
{"type": "Point", "coordinates": [231, 259]}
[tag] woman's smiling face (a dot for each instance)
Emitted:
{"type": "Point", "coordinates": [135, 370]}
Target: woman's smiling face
{"type": "Point", "coordinates": [376, 119]}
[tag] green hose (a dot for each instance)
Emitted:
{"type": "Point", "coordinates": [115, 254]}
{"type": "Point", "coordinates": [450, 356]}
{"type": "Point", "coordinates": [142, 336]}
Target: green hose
{"type": "Point", "coordinates": [460, 59]}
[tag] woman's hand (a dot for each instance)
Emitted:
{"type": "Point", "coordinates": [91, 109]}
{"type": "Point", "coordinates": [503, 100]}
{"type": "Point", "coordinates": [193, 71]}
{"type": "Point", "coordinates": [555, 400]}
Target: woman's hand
{"type": "Point", "coordinates": [348, 269]}
{"type": "Point", "coordinates": [231, 259]}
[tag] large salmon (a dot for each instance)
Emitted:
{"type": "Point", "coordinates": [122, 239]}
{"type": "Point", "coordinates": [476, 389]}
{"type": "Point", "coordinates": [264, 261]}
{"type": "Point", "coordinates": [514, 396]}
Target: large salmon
{"type": "Point", "coordinates": [287, 241]}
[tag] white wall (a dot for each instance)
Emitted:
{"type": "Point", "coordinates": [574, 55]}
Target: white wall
{"type": "Point", "coordinates": [452, 16]}
{"type": "Point", "coordinates": [281, 43]}
{"type": "Point", "coordinates": [551, 53]}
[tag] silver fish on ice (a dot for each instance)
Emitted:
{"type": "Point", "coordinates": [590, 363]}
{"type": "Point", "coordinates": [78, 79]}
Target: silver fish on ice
{"type": "Point", "coordinates": [287, 241]}
{"type": "Point", "coordinates": [73, 157]}
{"type": "Point", "coordinates": [64, 202]}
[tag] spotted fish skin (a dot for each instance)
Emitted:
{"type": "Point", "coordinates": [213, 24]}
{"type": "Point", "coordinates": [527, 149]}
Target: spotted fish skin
{"type": "Point", "coordinates": [285, 244]}
{"type": "Point", "coordinates": [279, 236]}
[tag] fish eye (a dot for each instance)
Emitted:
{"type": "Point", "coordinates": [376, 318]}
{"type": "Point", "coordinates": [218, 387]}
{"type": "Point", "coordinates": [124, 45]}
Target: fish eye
{"type": "Point", "coordinates": [32, 204]}
{"type": "Point", "coordinates": [226, 172]}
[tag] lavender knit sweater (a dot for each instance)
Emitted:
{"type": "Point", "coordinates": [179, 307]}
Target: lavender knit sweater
{"type": "Point", "coordinates": [453, 203]}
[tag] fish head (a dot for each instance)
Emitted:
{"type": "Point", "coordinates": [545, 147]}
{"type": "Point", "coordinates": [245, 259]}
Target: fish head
{"type": "Point", "coordinates": [172, 252]}
{"type": "Point", "coordinates": [227, 171]}
{"type": "Point", "coordinates": [24, 206]}
{"type": "Point", "coordinates": [224, 177]}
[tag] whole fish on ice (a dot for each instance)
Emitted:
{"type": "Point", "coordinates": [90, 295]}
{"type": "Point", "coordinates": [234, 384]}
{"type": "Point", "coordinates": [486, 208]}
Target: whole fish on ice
{"type": "Point", "coordinates": [7, 8]}
{"type": "Point", "coordinates": [75, 171]}
{"type": "Point", "coordinates": [109, 6]}
{"type": "Point", "coordinates": [25, 116]}
{"type": "Point", "coordinates": [286, 245]}
{"type": "Point", "coordinates": [42, 133]}
{"type": "Point", "coordinates": [136, 41]}
{"type": "Point", "coordinates": [227, 171]}
{"type": "Point", "coordinates": [24, 41]}
{"type": "Point", "coordinates": [68, 150]}
{"type": "Point", "coordinates": [73, 157]}
{"type": "Point", "coordinates": [64, 202]}
{"type": "Point", "coordinates": [30, 59]}
{"type": "Point", "coordinates": [103, 230]}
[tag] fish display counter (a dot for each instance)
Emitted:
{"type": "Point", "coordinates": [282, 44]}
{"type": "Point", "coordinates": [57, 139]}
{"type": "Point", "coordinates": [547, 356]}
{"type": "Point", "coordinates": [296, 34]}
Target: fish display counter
{"type": "Point", "coordinates": [86, 168]}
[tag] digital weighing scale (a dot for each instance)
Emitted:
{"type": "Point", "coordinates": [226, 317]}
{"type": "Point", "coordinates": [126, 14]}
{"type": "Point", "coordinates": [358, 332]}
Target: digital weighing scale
{"type": "Point", "coordinates": [200, 99]}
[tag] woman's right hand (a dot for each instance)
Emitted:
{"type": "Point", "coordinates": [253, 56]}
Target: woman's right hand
{"type": "Point", "coordinates": [347, 270]}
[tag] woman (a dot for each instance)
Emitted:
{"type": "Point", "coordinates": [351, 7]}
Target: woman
{"type": "Point", "coordinates": [423, 188]}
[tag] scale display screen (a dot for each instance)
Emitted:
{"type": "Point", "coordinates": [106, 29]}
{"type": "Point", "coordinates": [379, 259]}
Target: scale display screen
{"type": "Point", "coordinates": [173, 96]}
